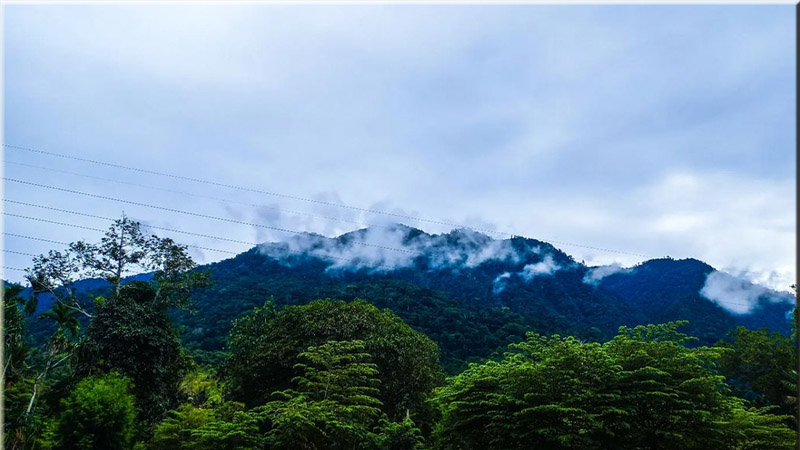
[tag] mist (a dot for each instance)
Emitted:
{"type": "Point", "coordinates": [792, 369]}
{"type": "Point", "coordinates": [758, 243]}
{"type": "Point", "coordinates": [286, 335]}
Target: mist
{"type": "Point", "coordinates": [738, 295]}
{"type": "Point", "coordinates": [384, 248]}
{"type": "Point", "coordinates": [595, 275]}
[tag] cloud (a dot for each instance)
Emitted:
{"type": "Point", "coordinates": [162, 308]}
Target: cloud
{"type": "Point", "coordinates": [390, 247]}
{"type": "Point", "coordinates": [545, 267]}
{"type": "Point", "coordinates": [596, 274]}
{"type": "Point", "coordinates": [500, 282]}
{"type": "Point", "coordinates": [488, 105]}
{"type": "Point", "coordinates": [738, 295]}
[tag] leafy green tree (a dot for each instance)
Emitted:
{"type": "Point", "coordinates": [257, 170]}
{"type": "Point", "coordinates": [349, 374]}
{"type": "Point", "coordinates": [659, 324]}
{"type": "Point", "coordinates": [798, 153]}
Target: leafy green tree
{"type": "Point", "coordinates": [399, 436]}
{"type": "Point", "coordinates": [644, 389]}
{"type": "Point", "coordinates": [134, 336]}
{"type": "Point", "coordinates": [201, 388]}
{"type": "Point", "coordinates": [335, 405]}
{"type": "Point", "coordinates": [672, 397]}
{"type": "Point", "coordinates": [123, 249]}
{"type": "Point", "coordinates": [98, 414]}
{"type": "Point", "coordinates": [126, 249]}
{"type": "Point", "coordinates": [59, 351]}
{"type": "Point", "coordinates": [759, 366]}
{"type": "Point", "coordinates": [175, 432]}
{"type": "Point", "coordinates": [266, 345]}
{"type": "Point", "coordinates": [549, 393]}
{"type": "Point", "coordinates": [339, 371]}
{"type": "Point", "coordinates": [15, 345]}
{"type": "Point", "coordinates": [242, 431]}
{"type": "Point", "coordinates": [755, 429]}
{"type": "Point", "coordinates": [16, 367]}
{"type": "Point", "coordinates": [226, 426]}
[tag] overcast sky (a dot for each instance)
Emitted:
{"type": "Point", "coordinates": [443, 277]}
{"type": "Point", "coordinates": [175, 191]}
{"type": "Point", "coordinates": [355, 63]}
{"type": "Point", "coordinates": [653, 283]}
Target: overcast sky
{"type": "Point", "coordinates": [655, 130]}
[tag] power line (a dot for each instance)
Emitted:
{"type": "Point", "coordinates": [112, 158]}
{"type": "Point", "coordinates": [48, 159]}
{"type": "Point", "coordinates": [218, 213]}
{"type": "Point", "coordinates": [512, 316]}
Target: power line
{"type": "Point", "coordinates": [305, 199]}
{"type": "Point", "coordinates": [73, 225]}
{"type": "Point", "coordinates": [190, 213]}
{"type": "Point", "coordinates": [22, 236]}
{"type": "Point", "coordinates": [154, 227]}
{"type": "Point", "coordinates": [191, 194]}
{"type": "Point", "coordinates": [231, 186]}
{"type": "Point", "coordinates": [38, 219]}
{"type": "Point", "coordinates": [19, 253]}
{"type": "Point", "coordinates": [54, 222]}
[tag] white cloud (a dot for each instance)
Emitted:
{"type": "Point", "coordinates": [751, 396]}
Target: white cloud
{"type": "Point", "coordinates": [500, 282]}
{"type": "Point", "coordinates": [390, 247]}
{"type": "Point", "coordinates": [545, 267]}
{"type": "Point", "coordinates": [736, 294]}
{"type": "Point", "coordinates": [497, 115]}
{"type": "Point", "coordinates": [596, 274]}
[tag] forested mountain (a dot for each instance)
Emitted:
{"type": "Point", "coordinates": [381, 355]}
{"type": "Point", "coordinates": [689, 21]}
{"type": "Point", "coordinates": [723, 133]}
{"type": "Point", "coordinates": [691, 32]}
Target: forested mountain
{"type": "Point", "coordinates": [387, 339]}
{"type": "Point", "coordinates": [470, 293]}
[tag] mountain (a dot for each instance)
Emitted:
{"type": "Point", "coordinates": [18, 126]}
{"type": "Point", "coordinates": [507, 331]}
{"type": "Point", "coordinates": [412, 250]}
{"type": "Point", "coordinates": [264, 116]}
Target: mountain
{"type": "Point", "coordinates": [473, 294]}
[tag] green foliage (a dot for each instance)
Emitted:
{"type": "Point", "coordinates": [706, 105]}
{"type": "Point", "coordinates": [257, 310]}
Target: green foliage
{"type": "Point", "coordinates": [125, 248]}
{"type": "Point", "coordinates": [201, 388]}
{"type": "Point", "coordinates": [335, 405]}
{"type": "Point", "coordinates": [226, 427]}
{"type": "Point", "coordinates": [399, 436]}
{"type": "Point", "coordinates": [643, 389]}
{"type": "Point", "coordinates": [132, 334]}
{"type": "Point", "coordinates": [175, 432]}
{"type": "Point", "coordinates": [266, 345]}
{"type": "Point", "coordinates": [99, 413]}
{"type": "Point", "coordinates": [349, 375]}
{"type": "Point", "coordinates": [240, 432]}
{"type": "Point", "coordinates": [16, 369]}
{"type": "Point", "coordinates": [339, 371]}
{"type": "Point", "coordinates": [15, 345]}
{"type": "Point", "coordinates": [759, 366]}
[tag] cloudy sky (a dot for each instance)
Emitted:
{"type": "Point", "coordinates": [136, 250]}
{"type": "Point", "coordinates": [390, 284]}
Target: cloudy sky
{"type": "Point", "coordinates": [651, 130]}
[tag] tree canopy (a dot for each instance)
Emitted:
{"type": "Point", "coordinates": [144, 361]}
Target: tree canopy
{"type": "Point", "coordinates": [266, 345]}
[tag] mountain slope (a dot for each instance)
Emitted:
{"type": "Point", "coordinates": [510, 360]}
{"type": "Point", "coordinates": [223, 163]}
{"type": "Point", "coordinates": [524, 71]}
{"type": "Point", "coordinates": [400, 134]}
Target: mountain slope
{"type": "Point", "coordinates": [471, 293]}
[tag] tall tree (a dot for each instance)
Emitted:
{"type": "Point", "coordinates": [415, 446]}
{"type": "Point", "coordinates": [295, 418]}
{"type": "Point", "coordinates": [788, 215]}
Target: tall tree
{"type": "Point", "coordinates": [266, 345]}
{"type": "Point", "coordinates": [758, 365]}
{"type": "Point", "coordinates": [335, 405]}
{"type": "Point", "coordinates": [137, 316]}
{"type": "Point", "coordinates": [134, 336]}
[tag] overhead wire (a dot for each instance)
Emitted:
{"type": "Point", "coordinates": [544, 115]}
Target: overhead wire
{"type": "Point", "coordinates": [73, 225]}
{"type": "Point", "coordinates": [310, 200]}
{"type": "Point", "coordinates": [190, 213]}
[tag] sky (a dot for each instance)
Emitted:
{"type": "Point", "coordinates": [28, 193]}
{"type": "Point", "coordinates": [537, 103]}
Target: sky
{"type": "Point", "coordinates": [652, 130]}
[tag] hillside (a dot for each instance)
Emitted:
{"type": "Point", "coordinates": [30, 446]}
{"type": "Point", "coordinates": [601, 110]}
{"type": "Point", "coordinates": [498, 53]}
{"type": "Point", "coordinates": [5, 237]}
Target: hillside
{"type": "Point", "coordinates": [471, 294]}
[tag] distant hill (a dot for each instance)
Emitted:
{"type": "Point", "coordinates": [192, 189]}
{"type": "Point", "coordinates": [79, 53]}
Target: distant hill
{"type": "Point", "coordinates": [470, 293]}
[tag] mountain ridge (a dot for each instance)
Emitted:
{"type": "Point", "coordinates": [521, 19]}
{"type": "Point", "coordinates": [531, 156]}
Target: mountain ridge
{"type": "Point", "coordinates": [472, 293]}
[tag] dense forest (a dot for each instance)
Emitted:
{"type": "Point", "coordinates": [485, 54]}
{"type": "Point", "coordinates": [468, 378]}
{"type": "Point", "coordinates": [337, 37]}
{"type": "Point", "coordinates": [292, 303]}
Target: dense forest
{"type": "Point", "coordinates": [273, 352]}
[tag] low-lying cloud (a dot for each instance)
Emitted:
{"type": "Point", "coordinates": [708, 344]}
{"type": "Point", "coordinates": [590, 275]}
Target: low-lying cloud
{"type": "Point", "coordinates": [596, 274]}
{"type": "Point", "coordinates": [545, 267]}
{"type": "Point", "coordinates": [738, 295]}
{"type": "Point", "coordinates": [500, 282]}
{"type": "Point", "coordinates": [392, 247]}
